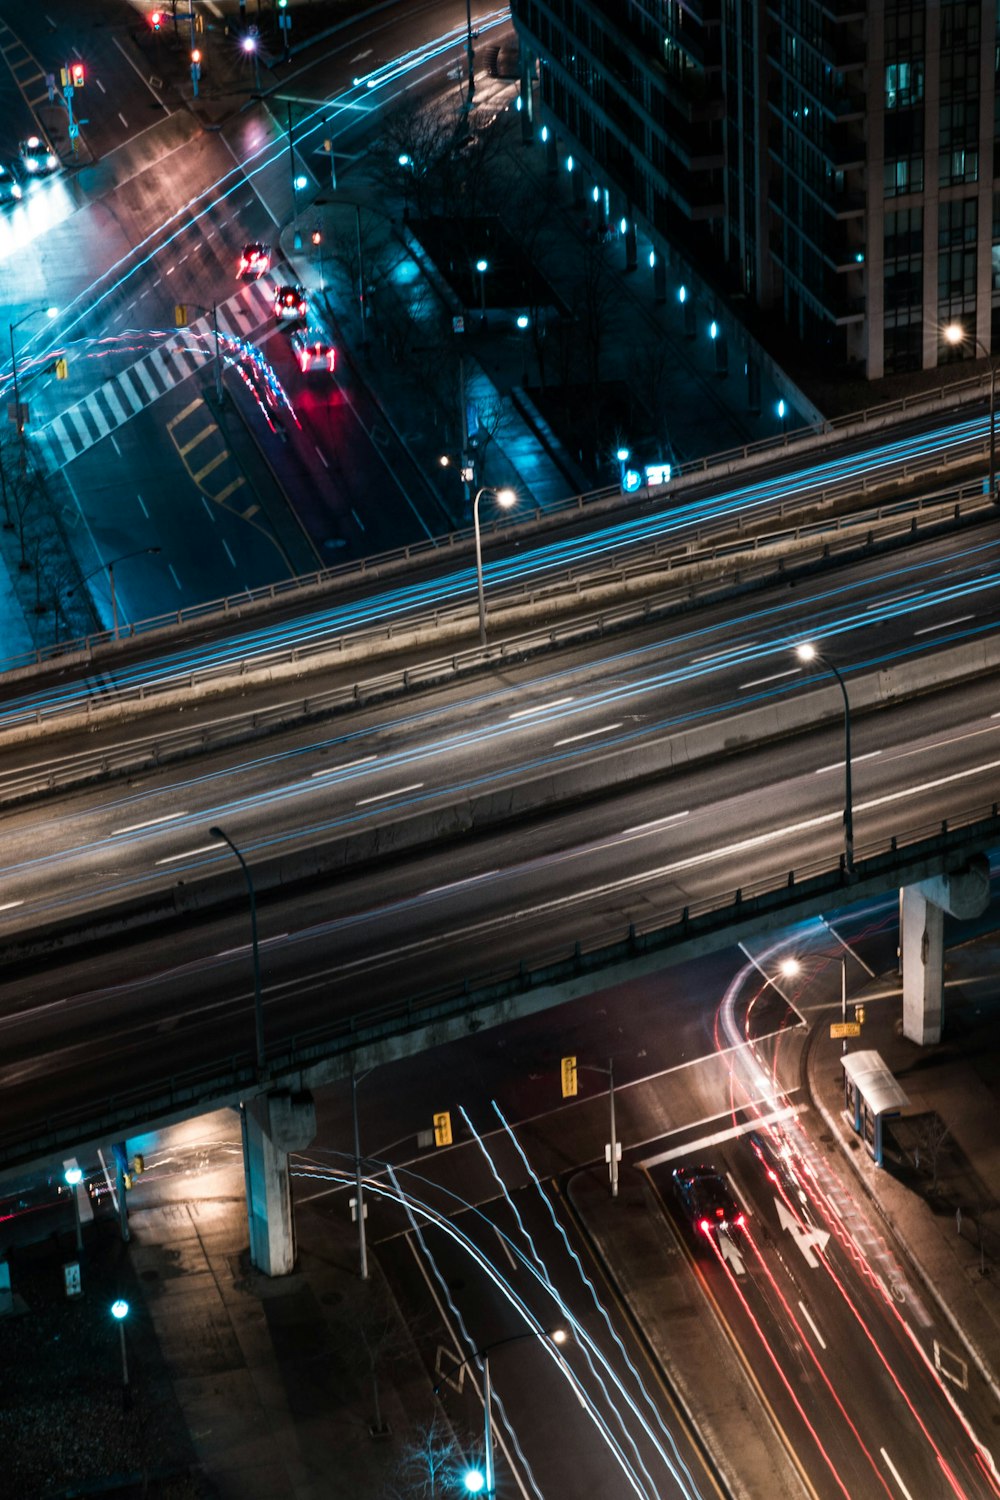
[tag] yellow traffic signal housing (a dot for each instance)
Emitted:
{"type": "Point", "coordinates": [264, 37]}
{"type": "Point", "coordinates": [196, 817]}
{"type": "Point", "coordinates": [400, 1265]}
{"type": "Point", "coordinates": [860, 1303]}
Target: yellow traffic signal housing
{"type": "Point", "coordinates": [859, 1014]}
{"type": "Point", "coordinates": [180, 315]}
{"type": "Point", "coordinates": [442, 1129]}
{"type": "Point", "coordinates": [568, 1077]}
{"type": "Point", "coordinates": [62, 369]}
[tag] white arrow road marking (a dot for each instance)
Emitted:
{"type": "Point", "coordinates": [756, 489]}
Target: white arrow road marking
{"type": "Point", "coordinates": [804, 1238]}
{"type": "Point", "coordinates": [730, 1253]}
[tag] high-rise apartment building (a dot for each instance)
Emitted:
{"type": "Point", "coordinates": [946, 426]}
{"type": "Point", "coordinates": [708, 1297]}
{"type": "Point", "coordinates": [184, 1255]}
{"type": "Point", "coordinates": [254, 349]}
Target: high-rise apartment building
{"type": "Point", "coordinates": [831, 160]}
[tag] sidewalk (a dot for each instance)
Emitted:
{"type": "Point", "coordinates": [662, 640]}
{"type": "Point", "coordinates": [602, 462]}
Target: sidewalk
{"type": "Point", "coordinates": [939, 1192]}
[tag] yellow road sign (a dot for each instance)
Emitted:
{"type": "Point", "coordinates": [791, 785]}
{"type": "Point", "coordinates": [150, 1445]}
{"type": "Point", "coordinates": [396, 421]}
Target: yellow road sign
{"type": "Point", "coordinates": [841, 1029]}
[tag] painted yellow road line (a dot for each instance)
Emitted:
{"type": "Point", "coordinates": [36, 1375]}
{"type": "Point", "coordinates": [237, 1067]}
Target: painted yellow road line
{"type": "Point", "coordinates": [199, 438]}
{"type": "Point", "coordinates": [214, 463]}
{"type": "Point", "coordinates": [192, 406]}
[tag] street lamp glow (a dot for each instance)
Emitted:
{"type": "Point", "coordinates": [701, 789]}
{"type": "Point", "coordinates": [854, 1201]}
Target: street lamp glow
{"type": "Point", "coordinates": [652, 259]}
{"type": "Point", "coordinates": [404, 158]}
{"type": "Point", "coordinates": [474, 1481]}
{"type": "Point", "coordinates": [713, 329]}
{"type": "Point", "coordinates": [249, 44]}
{"type": "Point", "coordinates": [954, 333]}
{"type": "Point", "coordinates": [119, 1309]}
{"type": "Point", "coordinates": [74, 1176]}
{"type": "Point", "coordinates": [522, 320]}
{"type": "Point", "coordinates": [623, 455]}
{"type": "Point", "coordinates": [482, 265]}
{"type": "Point", "coordinates": [596, 194]}
{"type": "Point", "coordinates": [301, 181]}
{"type": "Point", "coordinates": [790, 967]}
{"type": "Point", "coordinates": [806, 651]}
{"type": "Point", "coordinates": [505, 498]}
{"type": "Point", "coordinates": [682, 294]}
{"type": "Point", "coordinates": [570, 164]}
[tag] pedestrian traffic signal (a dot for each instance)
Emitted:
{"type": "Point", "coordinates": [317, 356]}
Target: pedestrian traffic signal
{"type": "Point", "coordinates": [154, 20]}
{"type": "Point", "coordinates": [568, 1077]}
{"type": "Point", "coordinates": [77, 75]}
{"type": "Point", "coordinates": [442, 1129]}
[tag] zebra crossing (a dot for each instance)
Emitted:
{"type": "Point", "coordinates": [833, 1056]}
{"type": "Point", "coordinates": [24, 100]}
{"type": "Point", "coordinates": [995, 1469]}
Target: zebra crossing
{"type": "Point", "coordinates": [130, 391]}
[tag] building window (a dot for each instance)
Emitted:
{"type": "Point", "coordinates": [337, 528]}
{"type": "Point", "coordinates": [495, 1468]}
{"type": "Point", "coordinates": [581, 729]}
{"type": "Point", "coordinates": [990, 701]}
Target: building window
{"type": "Point", "coordinates": [905, 175]}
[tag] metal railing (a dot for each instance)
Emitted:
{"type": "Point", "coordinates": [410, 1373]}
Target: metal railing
{"type": "Point", "coordinates": [746, 559]}
{"type": "Point", "coordinates": [234, 1076]}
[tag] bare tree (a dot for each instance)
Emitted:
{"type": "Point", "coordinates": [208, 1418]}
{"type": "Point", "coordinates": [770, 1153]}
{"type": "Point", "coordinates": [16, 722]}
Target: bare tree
{"type": "Point", "coordinates": [429, 1463]}
{"type": "Point", "coordinates": [490, 411]}
{"type": "Point", "coordinates": [931, 1136]}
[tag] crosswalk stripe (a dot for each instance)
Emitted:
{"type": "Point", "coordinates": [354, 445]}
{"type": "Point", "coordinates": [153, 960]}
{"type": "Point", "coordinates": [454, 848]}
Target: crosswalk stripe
{"type": "Point", "coordinates": [118, 412]}
{"type": "Point", "coordinates": [161, 370]}
{"type": "Point", "coordinates": [89, 410]}
{"type": "Point", "coordinates": [142, 375]}
{"type": "Point", "coordinates": [129, 391]}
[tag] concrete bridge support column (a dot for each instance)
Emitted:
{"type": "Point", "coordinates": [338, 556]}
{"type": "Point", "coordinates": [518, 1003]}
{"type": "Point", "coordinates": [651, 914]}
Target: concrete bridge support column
{"type": "Point", "coordinates": [963, 894]}
{"type": "Point", "coordinates": [273, 1125]}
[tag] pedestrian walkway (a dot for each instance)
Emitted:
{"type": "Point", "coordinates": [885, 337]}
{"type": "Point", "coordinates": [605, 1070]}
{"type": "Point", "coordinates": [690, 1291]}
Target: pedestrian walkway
{"type": "Point", "coordinates": [132, 390]}
{"type": "Point", "coordinates": [939, 1192]}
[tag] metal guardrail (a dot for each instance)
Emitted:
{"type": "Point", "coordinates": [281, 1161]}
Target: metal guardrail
{"type": "Point", "coordinates": [208, 1085]}
{"type": "Point", "coordinates": [364, 569]}
{"type": "Point", "coordinates": [832, 535]}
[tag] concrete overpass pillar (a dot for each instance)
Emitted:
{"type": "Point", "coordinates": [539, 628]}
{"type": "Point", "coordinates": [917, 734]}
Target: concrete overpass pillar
{"type": "Point", "coordinates": [273, 1125]}
{"type": "Point", "coordinates": [965, 893]}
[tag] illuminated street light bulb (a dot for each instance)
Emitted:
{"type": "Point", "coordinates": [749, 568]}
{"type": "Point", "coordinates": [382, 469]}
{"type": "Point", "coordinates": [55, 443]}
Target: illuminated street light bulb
{"type": "Point", "coordinates": [559, 1335]}
{"type": "Point", "coordinates": [790, 967]}
{"type": "Point", "coordinates": [404, 159]}
{"type": "Point", "coordinates": [482, 265]}
{"type": "Point", "coordinates": [301, 182]}
{"type": "Point", "coordinates": [806, 652]}
{"type": "Point", "coordinates": [74, 1176]}
{"type": "Point", "coordinates": [474, 1481]}
{"type": "Point", "coordinates": [119, 1309]}
{"type": "Point", "coordinates": [249, 44]}
{"type": "Point", "coordinates": [522, 320]}
{"type": "Point", "coordinates": [954, 333]}
{"type": "Point", "coordinates": [506, 498]}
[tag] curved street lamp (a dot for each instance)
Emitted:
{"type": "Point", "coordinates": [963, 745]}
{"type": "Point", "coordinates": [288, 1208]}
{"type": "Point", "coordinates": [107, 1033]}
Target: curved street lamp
{"type": "Point", "coordinates": [505, 498]}
{"type": "Point", "coordinates": [258, 1000]}
{"type": "Point", "coordinates": [807, 653]}
{"type": "Point", "coordinates": [483, 1481]}
{"type": "Point", "coordinates": [955, 334]}
{"type": "Point", "coordinates": [109, 568]}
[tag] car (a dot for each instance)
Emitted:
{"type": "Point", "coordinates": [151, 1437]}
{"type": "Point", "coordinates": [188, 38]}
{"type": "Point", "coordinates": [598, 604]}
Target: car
{"type": "Point", "coordinates": [11, 190]}
{"type": "Point", "coordinates": [290, 304]}
{"type": "Point", "coordinates": [37, 156]}
{"type": "Point", "coordinates": [708, 1200]}
{"type": "Point", "coordinates": [313, 350]}
{"type": "Point", "coordinates": [254, 261]}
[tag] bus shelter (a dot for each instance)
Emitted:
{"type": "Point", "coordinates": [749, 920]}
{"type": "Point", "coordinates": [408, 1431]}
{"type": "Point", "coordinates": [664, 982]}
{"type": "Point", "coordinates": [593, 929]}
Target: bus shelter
{"type": "Point", "coordinates": [872, 1096]}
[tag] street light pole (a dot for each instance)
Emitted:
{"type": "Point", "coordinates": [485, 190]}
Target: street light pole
{"type": "Point", "coordinates": [50, 312]}
{"type": "Point", "coordinates": [358, 1186]}
{"type": "Point", "coordinates": [485, 1483]}
{"type": "Point", "coordinates": [109, 568]}
{"type": "Point", "coordinates": [74, 1176]}
{"type": "Point", "coordinates": [504, 498]}
{"type": "Point", "coordinates": [471, 53]}
{"type": "Point", "coordinates": [808, 653]}
{"type": "Point", "coordinates": [258, 1005]}
{"type": "Point", "coordinates": [956, 334]}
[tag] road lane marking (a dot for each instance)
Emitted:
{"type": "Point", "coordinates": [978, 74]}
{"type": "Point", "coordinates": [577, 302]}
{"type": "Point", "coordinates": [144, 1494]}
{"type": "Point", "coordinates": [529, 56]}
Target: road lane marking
{"type": "Point", "coordinates": [656, 823]}
{"type": "Point", "coordinates": [9, 905]}
{"type": "Point", "coordinates": [153, 823]}
{"type": "Point", "coordinates": [838, 765]}
{"type": "Point", "coordinates": [358, 521]}
{"type": "Point", "coordinates": [691, 1148]}
{"type": "Point", "coordinates": [319, 453]}
{"type": "Point", "coordinates": [142, 506]}
{"type": "Point", "coordinates": [543, 708]}
{"type": "Point", "coordinates": [347, 766]}
{"type": "Point", "coordinates": [774, 677]}
{"type": "Point", "coordinates": [396, 792]}
{"type": "Point", "coordinates": [895, 1474]}
{"type": "Point", "coordinates": [952, 1366]}
{"type": "Point", "coordinates": [123, 119]}
{"type": "Point", "coordinates": [170, 859]}
{"type": "Point", "coordinates": [587, 735]}
{"type": "Point", "coordinates": [943, 625]}
{"type": "Point", "coordinates": [816, 1333]}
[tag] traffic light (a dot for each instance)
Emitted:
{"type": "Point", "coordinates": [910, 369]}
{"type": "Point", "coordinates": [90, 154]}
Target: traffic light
{"type": "Point", "coordinates": [316, 237]}
{"type": "Point", "coordinates": [859, 1014]}
{"type": "Point", "coordinates": [569, 1077]}
{"type": "Point", "coordinates": [180, 315]}
{"type": "Point", "coordinates": [155, 19]}
{"type": "Point", "coordinates": [77, 75]}
{"type": "Point", "coordinates": [442, 1129]}
{"type": "Point", "coordinates": [62, 369]}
